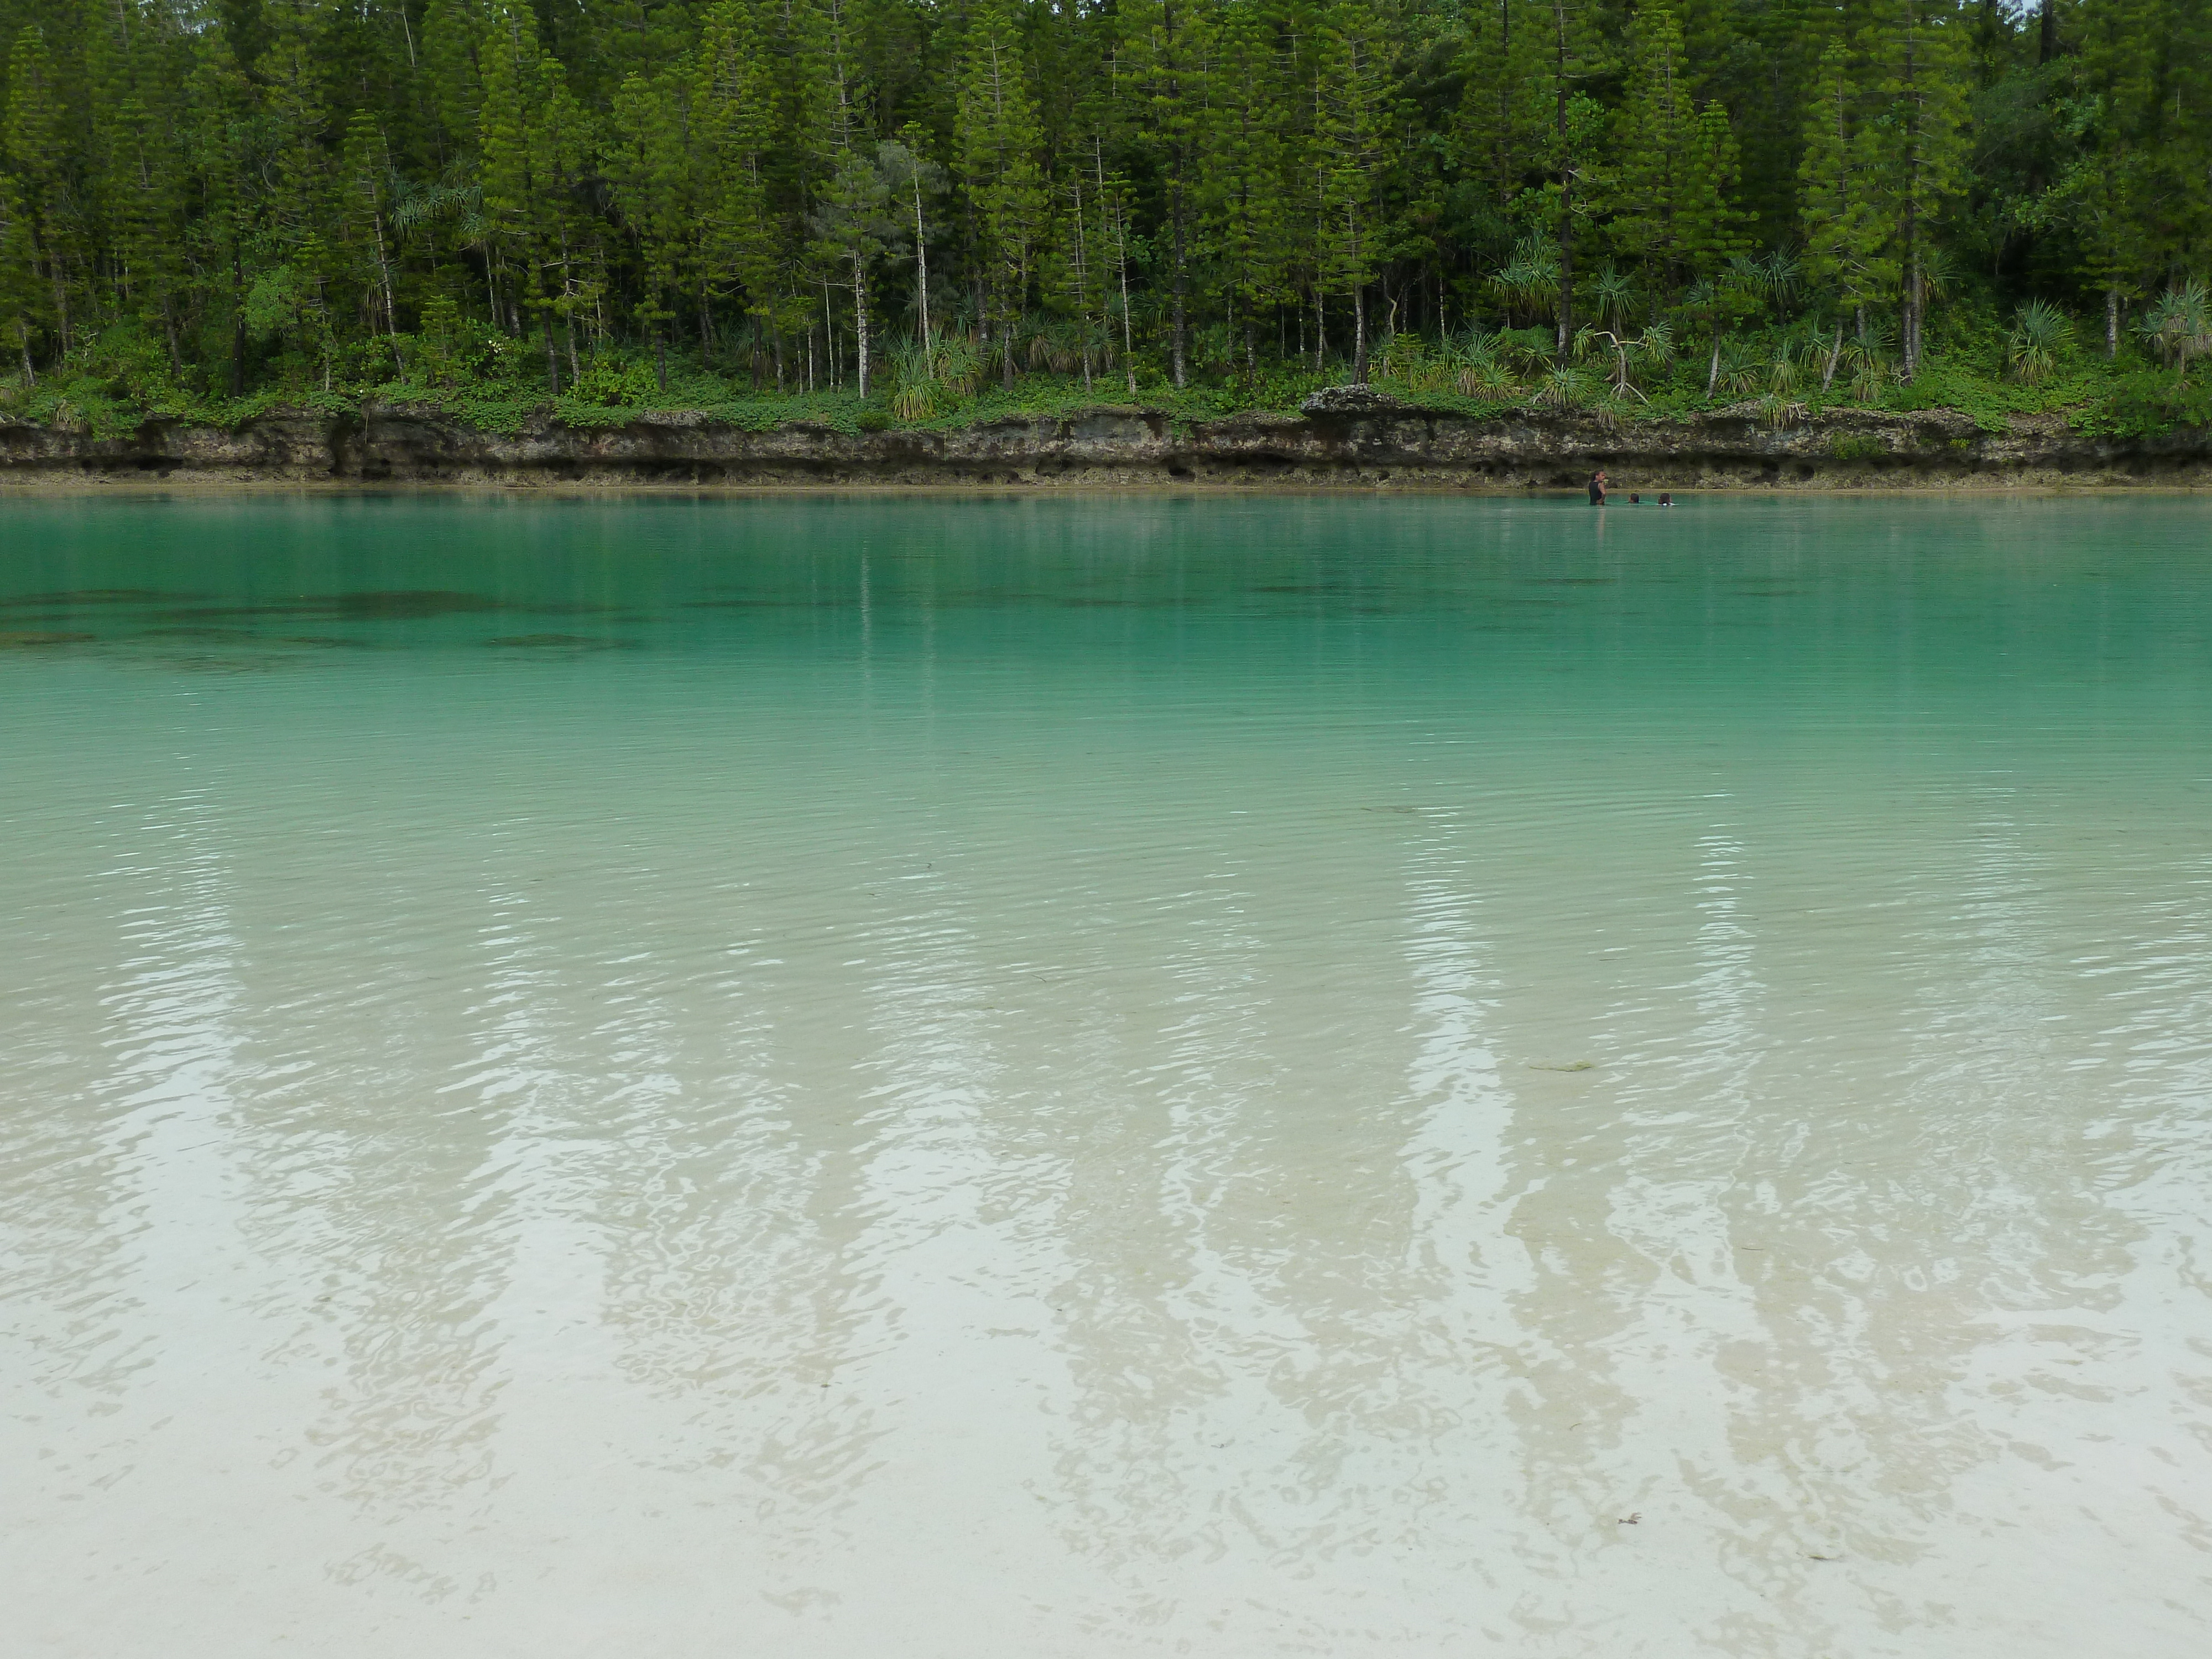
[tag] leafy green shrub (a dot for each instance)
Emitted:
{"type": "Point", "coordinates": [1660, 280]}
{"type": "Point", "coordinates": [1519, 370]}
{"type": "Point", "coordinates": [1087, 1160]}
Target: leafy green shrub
{"type": "Point", "coordinates": [608, 383]}
{"type": "Point", "coordinates": [2146, 404]}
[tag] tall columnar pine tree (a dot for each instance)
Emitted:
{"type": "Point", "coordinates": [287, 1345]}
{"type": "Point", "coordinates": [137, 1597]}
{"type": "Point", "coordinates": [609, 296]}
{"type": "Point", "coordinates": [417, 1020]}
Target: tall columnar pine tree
{"type": "Point", "coordinates": [1710, 223]}
{"type": "Point", "coordinates": [1672, 197]}
{"type": "Point", "coordinates": [449, 76]}
{"type": "Point", "coordinates": [1246, 186]}
{"type": "Point", "coordinates": [220, 138]}
{"type": "Point", "coordinates": [23, 297]}
{"type": "Point", "coordinates": [1352, 93]}
{"type": "Point", "coordinates": [365, 177]}
{"type": "Point", "coordinates": [1499, 129]}
{"type": "Point", "coordinates": [1916, 53]}
{"type": "Point", "coordinates": [1165, 58]}
{"type": "Point", "coordinates": [46, 212]}
{"type": "Point", "coordinates": [855, 220]}
{"type": "Point", "coordinates": [2137, 192]}
{"type": "Point", "coordinates": [999, 136]}
{"type": "Point", "coordinates": [293, 71]}
{"type": "Point", "coordinates": [135, 182]}
{"type": "Point", "coordinates": [1571, 54]}
{"type": "Point", "coordinates": [534, 141]}
{"type": "Point", "coordinates": [650, 164]}
{"type": "Point", "coordinates": [1847, 246]}
{"type": "Point", "coordinates": [733, 129]}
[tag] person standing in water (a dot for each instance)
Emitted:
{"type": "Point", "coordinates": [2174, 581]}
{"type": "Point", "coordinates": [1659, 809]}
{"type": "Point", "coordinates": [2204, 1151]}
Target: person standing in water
{"type": "Point", "coordinates": [1597, 488]}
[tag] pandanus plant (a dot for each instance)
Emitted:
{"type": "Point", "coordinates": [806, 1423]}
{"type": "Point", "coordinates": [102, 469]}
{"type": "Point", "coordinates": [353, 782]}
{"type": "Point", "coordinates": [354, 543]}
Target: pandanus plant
{"type": "Point", "coordinates": [2039, 333]}
{"type": "Point", "coordinates": [2178, 328]}
{"type": "Point", "coordinates": [1867, 355]}
{"type": "Point", "coordinates": [1472, 366]}
{"type": "Point", "coordinates": [1611, 295]}
{"type": "Point", "coordinates": [934, 376]}
{"type": "Point", "coordinates": [1529, 281]}
{"type": "Point", "coordinates": [1406, 357]}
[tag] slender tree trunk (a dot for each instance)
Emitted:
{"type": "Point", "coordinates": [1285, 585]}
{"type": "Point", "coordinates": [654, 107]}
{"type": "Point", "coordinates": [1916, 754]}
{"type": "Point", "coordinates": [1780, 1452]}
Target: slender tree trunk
{"type": "Point", "coordinates": [383, 270]}
{"type": "Point", "coordinates": [1128, 340]}
{"type": "Point", "coordinates": [1359, 334]}
{"type": "Point", "coordinates": [1713, 368]}
{"type": "Point", "coordinates": [552, 358]}
{"type": "Point", "coordinates": [1566, 192]}
{"type": "Point", "coordinates": [1121, 267]}
{"type": "Point", "coordinates": [1835, 357]}
{"type": "Point", "coordinates": [860, 317]}
{"type": "Point", "coordinates": [2112, 324]}
{"type": "Point", "coordinates": [237, 326]}
{"type": "Point", "coordinates": [660, 355]}
{"type": "Point", "coordinates": [921, 256]}
{"type": "Point", "coordinates": [1182, 342]}
{"type": "Point", "coordinates": [1914, 299]}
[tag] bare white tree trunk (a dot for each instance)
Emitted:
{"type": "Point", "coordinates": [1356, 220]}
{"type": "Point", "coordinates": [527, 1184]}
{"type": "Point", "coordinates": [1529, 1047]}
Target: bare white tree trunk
{"type": "Point", "coordinates": [860, 317]}
{"type": "Point", "coordinates": [922, 253]}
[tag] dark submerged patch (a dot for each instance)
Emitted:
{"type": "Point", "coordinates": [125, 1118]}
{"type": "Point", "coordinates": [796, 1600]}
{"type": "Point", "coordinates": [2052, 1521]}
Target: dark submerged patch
{"type": "Point", "coordinates": [30, 640]}
{"type": "Point", "coordinates": [571, 642]}
{"type": "Point", "coordinates": [75, 596]}
{"type": "Point", "coordinates": [407, 604]}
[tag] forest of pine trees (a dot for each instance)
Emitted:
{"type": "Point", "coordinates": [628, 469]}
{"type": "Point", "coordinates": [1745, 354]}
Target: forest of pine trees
{"type": "Point", "coordinates": [923, 203]}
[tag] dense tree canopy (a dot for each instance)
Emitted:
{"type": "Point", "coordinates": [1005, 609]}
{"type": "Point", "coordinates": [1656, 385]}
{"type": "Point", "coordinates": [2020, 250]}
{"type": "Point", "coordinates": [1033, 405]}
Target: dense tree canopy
{"type": "Point", "coordinates": [915, 197]}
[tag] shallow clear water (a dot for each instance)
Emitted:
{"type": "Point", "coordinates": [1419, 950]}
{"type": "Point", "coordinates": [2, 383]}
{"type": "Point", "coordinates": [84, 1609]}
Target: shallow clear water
{"type": "Point", "coordinates": [1032, 1078]}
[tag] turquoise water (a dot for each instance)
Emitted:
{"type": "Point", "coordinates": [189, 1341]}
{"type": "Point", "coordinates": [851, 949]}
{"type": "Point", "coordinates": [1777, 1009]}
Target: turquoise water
{"type": "Point", "coordinates": [1013, 1076]}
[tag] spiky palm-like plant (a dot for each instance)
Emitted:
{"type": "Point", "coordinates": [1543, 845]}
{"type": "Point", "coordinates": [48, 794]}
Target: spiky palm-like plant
{"type": "Point", "coordinates": [1470, 364]}
{"type": "Point", "coordinates": [1405, 357]}
{"type": "Point", "coordinates": [1611, 295]}
{"type": "Point", "coordinates": [959, 367]}
{"type": "Point", "coordinates": [1530, 281]}
{"type": "Point", "coordinates": [2039, 333]}
{"type": "Point", "coordinates": [2179, 327]}
{"type": "Point", "coordinates": [1563, 388]}
{"type": "Point", "coordinates": [1740, 370]}
{"type": "Point", "coordinates": [1777, 280]}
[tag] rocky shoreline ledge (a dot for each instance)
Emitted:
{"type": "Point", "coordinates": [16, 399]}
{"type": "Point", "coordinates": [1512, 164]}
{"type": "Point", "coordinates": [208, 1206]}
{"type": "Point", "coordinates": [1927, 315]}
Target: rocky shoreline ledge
{"type": "Point", "coordinates": [1345, 441]}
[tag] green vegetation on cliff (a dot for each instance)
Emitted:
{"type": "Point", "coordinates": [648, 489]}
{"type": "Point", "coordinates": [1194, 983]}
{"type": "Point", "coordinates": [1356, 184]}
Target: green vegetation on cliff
{"type": "Point", "coordinates": [894, 212]}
